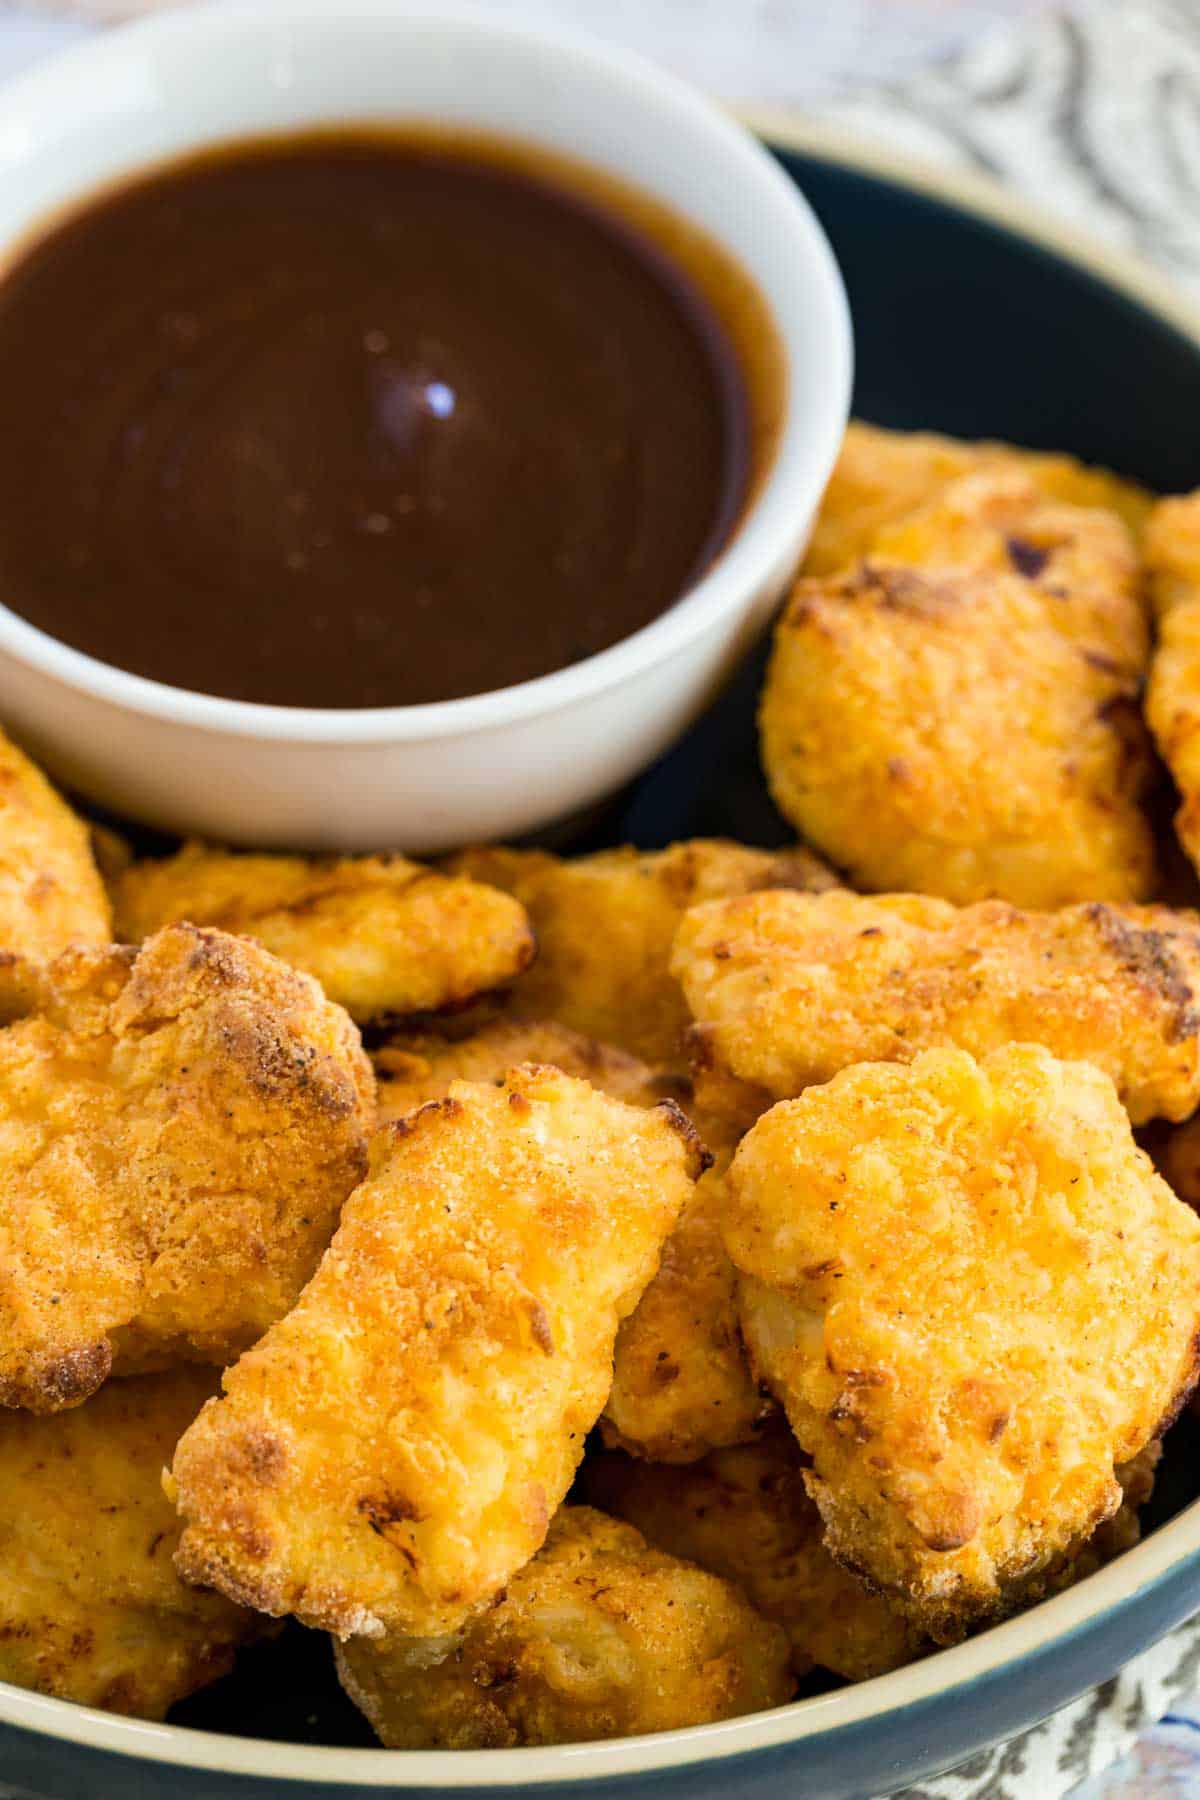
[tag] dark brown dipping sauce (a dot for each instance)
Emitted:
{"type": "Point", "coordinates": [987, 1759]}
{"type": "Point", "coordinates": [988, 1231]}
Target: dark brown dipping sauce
{"type": "Point", "coordinates": [359, 421]}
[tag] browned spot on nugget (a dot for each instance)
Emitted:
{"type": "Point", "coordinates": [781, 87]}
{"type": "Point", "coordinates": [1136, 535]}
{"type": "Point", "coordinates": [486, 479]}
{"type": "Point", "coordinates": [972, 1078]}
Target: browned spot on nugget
{"type": "Point", "coordinates": [389, 1508]}
{"type": "Point", "coordinates": [262, 1457]}
{"type": "Point", "coordinates": [1027, 559]}
{"type": "Point", "coordinates": [65, 1382]}
{"type": "Point", "coordinates": [1154, 958]}
{"type": "Point", "coordinates": [539, 1324]}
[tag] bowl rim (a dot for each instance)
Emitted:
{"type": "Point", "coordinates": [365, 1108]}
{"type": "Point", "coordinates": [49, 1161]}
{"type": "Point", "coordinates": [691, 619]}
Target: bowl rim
{"type": "Point", "coordinates": [948, 1675]}
{"type": "Point", "coordinates": [749, 562]}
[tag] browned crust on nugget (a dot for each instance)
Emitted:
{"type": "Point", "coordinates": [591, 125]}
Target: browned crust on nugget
{"type": "Point", "coordinates": [420, 1432]}
{"type": "Point", "coordinates": [182, 1124]}
{"type": "Point", "coordinates": [385, 937]}
{"type": "Point", "coordinates": [599, 1636]}
{"type": "Point", "coordinates": [935, 730]}
{"type": "Point", "coordinates": [604, 926]}
{"type": "Point", "coordinates": [965, 1432]}
{"type": "Point", "coordinates": [789, 988]}
{"type": "Point", "coordinates": [91, 1609]}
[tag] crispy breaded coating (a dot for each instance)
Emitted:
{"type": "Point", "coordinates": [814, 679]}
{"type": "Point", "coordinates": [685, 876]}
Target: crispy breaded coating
{"type": "Point", "coordinates": [51, 894]}
{"type": "Point", "coordinates": [1124, 1529]}
{"type": "Point", "coordinates": [1173, 692]}
{"type": "Point", "coordinates": [881, 477]}
{"type": "Point", "coordinates": [1082, 561]}
{"type": "Point", "coordinates": [416, 1067]}
{"type": "Point", "coordinates": [383, 936]}
{"type": "Point", "coordinates": [745, 1514]}
{"type": "Point", "coordinates": [789, 988]}
{"type": "Point", "coordinates": [931, 732]}
{"type": "Point", "coordinates": [91, 1608]}
{"type": "Point", "coordinates": [605, 922]}
{"type": "Point", "coordinates": [681, 1384]}
{"type": "Point", "coordinates": [600, 1636]}
{"type": "Point", "coordinates": [179, 1126]}
{"type": "Point", "coordinates": [392, 1451]}
{"type": "Point", "coordinates": [975, 1299]}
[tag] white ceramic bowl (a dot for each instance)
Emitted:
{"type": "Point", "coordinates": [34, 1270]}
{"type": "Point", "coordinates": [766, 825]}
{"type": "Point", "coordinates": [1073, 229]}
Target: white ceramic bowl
{"type": "Point", "coordinates": [420, 777]}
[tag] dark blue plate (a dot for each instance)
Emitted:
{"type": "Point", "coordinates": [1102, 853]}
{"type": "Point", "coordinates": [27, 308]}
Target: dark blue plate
{"type": "Point", "coordinates": [965, 324]}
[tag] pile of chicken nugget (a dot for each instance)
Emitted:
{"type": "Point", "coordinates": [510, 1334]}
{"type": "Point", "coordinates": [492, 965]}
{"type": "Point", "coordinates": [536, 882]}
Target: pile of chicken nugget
{"type": "Point", "coordinates": [600, 1293]}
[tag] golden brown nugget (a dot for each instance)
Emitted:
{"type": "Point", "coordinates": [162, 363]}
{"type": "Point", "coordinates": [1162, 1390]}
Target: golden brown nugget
{"type": "Point", "coordinates": [681, 1384]}
{"type": "Point", "coordinates": [975, 1299]}
{"type": "Point", "coordinates": [416, 1067]}
{"type": "Point", "coordinates": [179, 1126]}
{"type": "Point", "coordinates": [392, 1451]}
{"type": "Point", "coordinates": [51, 894]}
{"type": "Point", "coordinates": [745, 1514]}
{"type": "Point", "coordinates": [381, 934]}
{"type": "Point", "coordinates": [1173, 692]}
{"type": "Point", "coordinates": [604, 926]}
{"type": "Point", "coordinates": [1082, 561]}
{"type": "Point", "coordinates": [1124, 1529]}
{"type": "Point", "coordinates": [789, 988]}
{"type": "Point", "coordinates": [599, 1636]}
{"type": "Point", "coordinates": [91, 1608]}
{"type": "Point", "coordinates": [881, 477]}
{"type": "Point", "coordinates": [932, 733]}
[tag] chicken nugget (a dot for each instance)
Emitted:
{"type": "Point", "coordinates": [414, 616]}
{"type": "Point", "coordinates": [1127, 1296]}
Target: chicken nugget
{"type": "Point", "coordinates": [1173, 691]}
{"type": "Point", "coordinates": [393, 1450]}
{"type": "Point", "coordinates": [744, 1513]}
{"type": "Point", "coordinates": [681, 1384]}
{"type": "Point", "coordinates": [179, 1126]}
{"type": "Point", "coordinates": [1124, 1529]}
{"type": "Point", "coordinates": [416, 1067]}
{"type": "Point", "coordinates": [881, 477]}
{"type": "Point", "coordinates": [789, 988]}
{"type": "Point", "coordinates": [599, 1636]}
{"type": "Point", "coordinates": [931, 732]}
{"type": "Point", "coordinates": [975, 1299]}
{"type": "Point", "coordinates": [605, 922]}
{"type": "Point", "coordinates": [91, 1608]}
{"type": "Point", "coordinates": [51, 894]}
{"type": "Point", "coordinates": [1082, 561]}
{"type": "Point", "coordinates": [383, 936]}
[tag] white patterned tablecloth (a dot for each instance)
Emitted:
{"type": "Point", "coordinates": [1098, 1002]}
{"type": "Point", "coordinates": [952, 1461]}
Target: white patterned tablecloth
{"type": "Point", "coordinates": [1093, 109]}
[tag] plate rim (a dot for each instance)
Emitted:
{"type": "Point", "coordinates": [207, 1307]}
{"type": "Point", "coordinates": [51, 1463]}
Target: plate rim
{"type": "Point", "coordinates": [948, 1676]}
{"type": "Point", "coordinates": [973, 191]}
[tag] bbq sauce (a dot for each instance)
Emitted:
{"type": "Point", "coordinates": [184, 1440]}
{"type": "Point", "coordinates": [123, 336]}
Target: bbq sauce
{"type": "Point", "coordinates": [367, 419]}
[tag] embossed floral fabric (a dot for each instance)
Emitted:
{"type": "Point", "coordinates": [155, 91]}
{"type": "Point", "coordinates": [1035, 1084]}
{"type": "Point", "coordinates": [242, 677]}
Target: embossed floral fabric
{"type": "Point", "coordinates": [1093, 109]}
